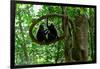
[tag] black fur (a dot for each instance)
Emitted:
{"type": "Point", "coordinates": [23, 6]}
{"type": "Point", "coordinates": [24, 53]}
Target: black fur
{"type": "Point", "coordinates": [52, 34]}
{"type": "Point", "coordinates": [41, 34]}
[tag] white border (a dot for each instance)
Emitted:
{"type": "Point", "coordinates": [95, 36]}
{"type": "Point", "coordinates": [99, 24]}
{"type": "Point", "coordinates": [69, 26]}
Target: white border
{"type": "Point", "coordinates": [5, 34]}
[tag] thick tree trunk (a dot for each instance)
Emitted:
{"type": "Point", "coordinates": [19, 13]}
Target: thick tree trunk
{"type": "Point", "coordinates": [80, 50]}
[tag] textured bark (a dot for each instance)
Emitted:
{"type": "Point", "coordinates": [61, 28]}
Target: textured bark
{"type": "Point", "coordinates": [80, 50]}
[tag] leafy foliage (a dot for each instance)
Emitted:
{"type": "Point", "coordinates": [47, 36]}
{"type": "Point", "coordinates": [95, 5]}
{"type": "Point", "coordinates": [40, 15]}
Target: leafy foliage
{"type": "Point", "coordinates": [28, 52]}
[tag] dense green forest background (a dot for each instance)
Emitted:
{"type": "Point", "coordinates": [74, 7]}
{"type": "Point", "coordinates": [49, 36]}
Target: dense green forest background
{"type": "Point", "coordinates": [77, 45]}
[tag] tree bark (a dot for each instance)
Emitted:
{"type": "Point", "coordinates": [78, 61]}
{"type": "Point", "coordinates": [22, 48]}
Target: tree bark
{"type": "Point", "coordinates": [80, 50]}
{"type": "Point", "coordinates": [65, 28]}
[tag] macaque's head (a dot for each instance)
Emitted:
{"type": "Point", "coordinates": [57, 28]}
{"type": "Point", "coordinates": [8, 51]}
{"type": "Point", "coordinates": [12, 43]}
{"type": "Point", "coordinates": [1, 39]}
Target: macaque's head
{"type": "Point", "coordinates": [41, 27]}
{"type": "Point", "coordinates": [51, 26]}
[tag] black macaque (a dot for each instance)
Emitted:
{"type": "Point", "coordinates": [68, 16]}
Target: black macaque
{"type": "Point", "coordinates": [41, 34]}
{"type": "Point", "coordinates": [52, 34]}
